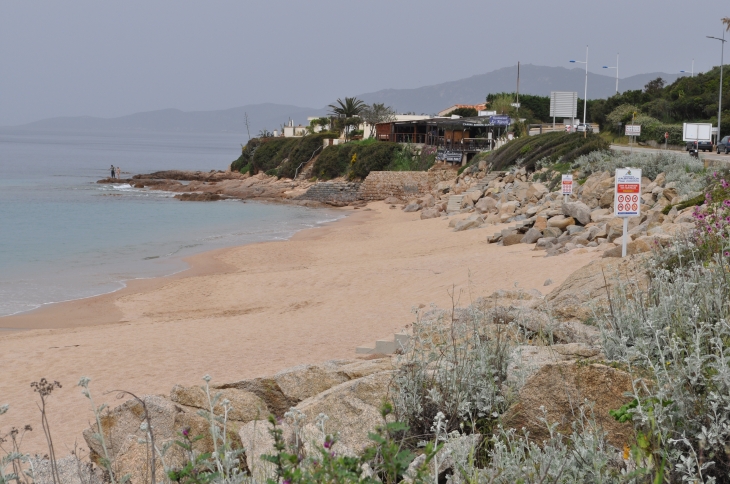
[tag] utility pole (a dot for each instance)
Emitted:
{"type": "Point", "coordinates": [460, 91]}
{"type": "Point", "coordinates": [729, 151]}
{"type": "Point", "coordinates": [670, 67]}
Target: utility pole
{"type": "Point", "coordinates": [719, 103]}
{"type": "Point", "coordinates": [518, 87]}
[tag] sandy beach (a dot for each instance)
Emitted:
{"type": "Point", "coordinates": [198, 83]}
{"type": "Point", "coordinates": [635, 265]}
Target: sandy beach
{"type": "Point", "coordinates": [253, 310]}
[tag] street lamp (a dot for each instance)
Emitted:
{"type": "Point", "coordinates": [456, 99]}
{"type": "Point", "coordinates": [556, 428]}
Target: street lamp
{"type": "Point", "coordinates": [585, 95]}
{"type": "Point", "coordinates": [719, 103]}
{"type": "Point", "coordinates": [693, 68]}
{"type": "Point", "coordinates": [614, 67]}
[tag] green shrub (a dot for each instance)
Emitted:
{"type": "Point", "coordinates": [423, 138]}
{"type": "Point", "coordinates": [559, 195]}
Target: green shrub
{"type": "Point", "coordinates": [271, 152]}
{"type": "Point", "coordinates": [333, 162]}
{"type": "Point", "coordinates": [373, 157]}
{"type": "Point", "coordinates": [301, 153]}
{"type": "Point", "coordinates": [528, 150]}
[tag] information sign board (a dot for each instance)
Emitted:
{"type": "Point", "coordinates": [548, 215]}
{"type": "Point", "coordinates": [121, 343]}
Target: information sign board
{"type": "Point", "coordinates": [567, 184]}
{"type": "Point", "coordinates": [452, 156]}
{"type": "Point", "coordinates": [627, 192]}
{"type": "Point", "coordinates": [633, 130]}
{"type": "Point", "coordinates": [500, 120]}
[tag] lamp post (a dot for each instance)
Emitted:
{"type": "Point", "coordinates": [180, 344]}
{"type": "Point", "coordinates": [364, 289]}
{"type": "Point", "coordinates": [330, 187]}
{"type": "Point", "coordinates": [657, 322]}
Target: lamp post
{"type": "Point", "coordinates": [719, 103]}
{"type": "Point", "coordinates": [693, 68]}
{"type": "Point", "coordinates": [585, 94]}
{"type": "Point", "coordinates": [614, 67]}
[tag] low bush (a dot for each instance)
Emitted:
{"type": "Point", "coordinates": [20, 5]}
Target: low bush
{"type": "Point", "coordinates": [680, 168]}
{"type": "Point", "coordinates": [372, 157]}
{"type": "Point", "coordinates": [528, 150]}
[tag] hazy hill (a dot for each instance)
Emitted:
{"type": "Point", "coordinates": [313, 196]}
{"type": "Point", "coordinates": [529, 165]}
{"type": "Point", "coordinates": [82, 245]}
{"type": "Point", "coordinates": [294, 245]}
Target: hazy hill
{"type": "Point", "coordinates": [266, 115]}
{"type": "Point", "coordinates": [537, 80]}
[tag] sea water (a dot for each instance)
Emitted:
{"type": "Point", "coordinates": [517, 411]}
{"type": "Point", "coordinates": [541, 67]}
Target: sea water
{"type": "Point", "coordinates": [64, 237]}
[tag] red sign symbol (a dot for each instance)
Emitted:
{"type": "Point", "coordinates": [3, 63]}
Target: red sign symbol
{"type": "Point", "coordinates": [620, 207]}
{"type": "Point", "coordinates": [635, 198]}
{"type": "Point", "coordinates": [634, 207]}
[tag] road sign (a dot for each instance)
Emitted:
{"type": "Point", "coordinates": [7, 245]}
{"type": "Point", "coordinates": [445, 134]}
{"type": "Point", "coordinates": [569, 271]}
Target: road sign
{"type": "Point", "coordinates": [666, 135]}
{"type": "Point", "coordinates": [627, 192]}
{"type": "Point", "coordinates": [567, 184]}
{"type": "Point", "coordinates": [633, 130]}
{"type": "Point", "coordinates": [500, 120]}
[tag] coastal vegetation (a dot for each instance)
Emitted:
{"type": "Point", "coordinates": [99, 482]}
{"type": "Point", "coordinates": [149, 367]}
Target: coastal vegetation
{"type": "Point", "coordinates": [553, 147]}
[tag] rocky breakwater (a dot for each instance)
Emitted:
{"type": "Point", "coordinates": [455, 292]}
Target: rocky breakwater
{"type": "Point", "coordinates": [219, 185]}
{"type": "Point", "coordinates": [542, 217]}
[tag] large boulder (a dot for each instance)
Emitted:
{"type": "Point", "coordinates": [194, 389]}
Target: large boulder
{"type": "Point", "coordinates": [536, 191]}
{"type": "Point", "coordinates": [587, 289]}
{"type": "Point", "coordinates": [244, 406]}
{"type": "Point", "coordinates": [559, 391]}
{"type": "Point", "coordinates": [512, 239]}
{"type": "Point", "coordinates": [486, 204]}
{"type": "Point", "coordinates": [531, 236]}
{"type": "Point", "coordinates": [578, 210]}
{"type": "Point", "coordinates": [560, 222]}
{"type": "Point", "coordinates": [632, 248]}
{"type": "Point", "coordinates": [412, 207]}
{"type": "Point", "coordinates": [352, 409]}
{"type": "Point", "coordinates": [430, 213]}
{"type": "Point", "coordinates": [470, 223]}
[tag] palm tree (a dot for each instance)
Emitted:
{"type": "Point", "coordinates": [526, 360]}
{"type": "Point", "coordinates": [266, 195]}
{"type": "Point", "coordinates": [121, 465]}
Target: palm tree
{"type": "Point", "coordinates": [347, 111]}
{"type": "Point", "coordinates": [726, 21]}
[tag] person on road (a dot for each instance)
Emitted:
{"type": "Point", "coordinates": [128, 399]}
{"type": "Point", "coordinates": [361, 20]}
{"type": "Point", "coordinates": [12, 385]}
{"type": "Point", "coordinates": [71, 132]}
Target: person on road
{"type": "Point", "coordinates": [112, 168]}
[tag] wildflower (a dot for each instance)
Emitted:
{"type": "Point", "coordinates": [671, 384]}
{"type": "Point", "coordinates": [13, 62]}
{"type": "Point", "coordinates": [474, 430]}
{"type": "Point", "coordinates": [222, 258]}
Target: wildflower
{"type": "Point", "coordinates": [724, 184]}
{"type": "Point", "coordinates": [186, 431]}
{"type": "Point", "coordinates": [726, 203]}
{"type": "Point", "coordinates": [327, 443]}
{"type": "Point", "coordinates": [627, 451]}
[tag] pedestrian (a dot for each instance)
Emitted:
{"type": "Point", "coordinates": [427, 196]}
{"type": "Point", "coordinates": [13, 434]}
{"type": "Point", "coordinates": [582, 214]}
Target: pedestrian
{"type": "Point", "coordinates": [119, 173]}
{"type": "Point", "coordinates": [112, 171]}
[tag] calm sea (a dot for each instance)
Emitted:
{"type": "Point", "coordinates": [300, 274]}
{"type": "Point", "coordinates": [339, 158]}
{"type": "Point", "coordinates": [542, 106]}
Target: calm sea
{"type": "Point", "coordinates": [63, 237]}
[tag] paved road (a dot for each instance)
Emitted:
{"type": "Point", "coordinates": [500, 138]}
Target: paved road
{"type": "Point", "coordinates": [711, 156]}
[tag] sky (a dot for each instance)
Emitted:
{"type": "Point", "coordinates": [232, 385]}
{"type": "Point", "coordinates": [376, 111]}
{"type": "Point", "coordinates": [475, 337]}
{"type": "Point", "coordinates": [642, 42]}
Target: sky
{"type": "Point", "coordinates": [109, 59]}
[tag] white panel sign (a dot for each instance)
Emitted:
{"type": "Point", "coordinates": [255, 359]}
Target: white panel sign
{"type": "Point", "coordinates": [633, 130]}
{"type": "Point", "coordinates": [567, 184]}
{"type": "Point", "coordinates": [627, 192]}
{"type": "Point", "coordinates": [563, 104]}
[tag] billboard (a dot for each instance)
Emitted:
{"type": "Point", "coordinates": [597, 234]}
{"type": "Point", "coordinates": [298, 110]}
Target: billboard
{"type": "Point", "coordinates": [563, 104]}
{"type": "Point", "coordinates": [697, 132]}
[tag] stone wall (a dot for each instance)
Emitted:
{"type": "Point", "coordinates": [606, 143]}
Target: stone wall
{"type": "Point", "coordinates": [380, 185]}
{"type": "Point", "coordinates": [344, 192]}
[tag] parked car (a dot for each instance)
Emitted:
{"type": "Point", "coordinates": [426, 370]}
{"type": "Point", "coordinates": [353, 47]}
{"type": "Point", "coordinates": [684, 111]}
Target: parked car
{"type": "Point", "coordinates": [724, 145]}
{"type": "Point", "coordinates": [584, 127]}
{"type": "Point", "coordinates": [699, 146]}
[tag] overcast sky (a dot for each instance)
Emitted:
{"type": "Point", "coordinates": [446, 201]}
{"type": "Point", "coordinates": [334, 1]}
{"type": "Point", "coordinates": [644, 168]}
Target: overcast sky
{"type": "Point", "coordinates": [113, 58]}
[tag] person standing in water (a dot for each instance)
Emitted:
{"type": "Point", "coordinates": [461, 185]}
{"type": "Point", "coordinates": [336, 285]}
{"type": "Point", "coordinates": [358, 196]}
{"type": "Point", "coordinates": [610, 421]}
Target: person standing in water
{"type": "Point", "coordinates": [112, 171]}
{"type": "Point", "coordinates": [119, 173]}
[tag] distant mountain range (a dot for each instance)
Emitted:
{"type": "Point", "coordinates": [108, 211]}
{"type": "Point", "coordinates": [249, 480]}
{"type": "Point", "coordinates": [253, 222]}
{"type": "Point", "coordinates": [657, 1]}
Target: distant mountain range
{"type": "Point", "coordinates": [538, 80]}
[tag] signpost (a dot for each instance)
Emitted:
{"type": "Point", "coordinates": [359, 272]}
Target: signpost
{"type": "Point", "coordinates": [633, 130]}
{"type": "Point", "coordinates": [564, 105]}
{"type": "Point", "coordinates": [666, 139]}
{"type": "Point", "coordinates": [567, 186]}
{"type": "Point", "coordinates": [627, 198]}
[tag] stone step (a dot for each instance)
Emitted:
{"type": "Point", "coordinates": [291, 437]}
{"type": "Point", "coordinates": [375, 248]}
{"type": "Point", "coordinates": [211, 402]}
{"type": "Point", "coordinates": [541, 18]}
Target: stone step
{"type": "Point", "coordinates": [386, 347]}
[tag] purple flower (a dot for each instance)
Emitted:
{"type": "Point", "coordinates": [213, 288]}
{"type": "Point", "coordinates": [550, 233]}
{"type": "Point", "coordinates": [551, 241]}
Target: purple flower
{"type": "Point", "coordinates": [701, 216]}
{"type": "Point", "coordinates": [727, 254]}
{"type": "Point", "coordinates": [724, 184]}
{"type": "Point", "coordinates": [726, 202]}
{"type": "Point", "coordinates": [327, 444]}
{"type": "Point", "coordinates": [287, 481]}
{"type": "Point", "coordinates": [186, 431]}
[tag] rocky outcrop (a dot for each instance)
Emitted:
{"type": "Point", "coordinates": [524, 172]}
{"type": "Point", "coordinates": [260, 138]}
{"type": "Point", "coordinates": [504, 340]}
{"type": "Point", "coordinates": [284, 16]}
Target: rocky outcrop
{"type": "Point", "coordinates": [586, 290]}
{"type": "Point", "coordinates": [199, 197]}
{"type": "Point", "coordinates": [349, 392]}
{"type": "Point", "coordinates": [559, 392]}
